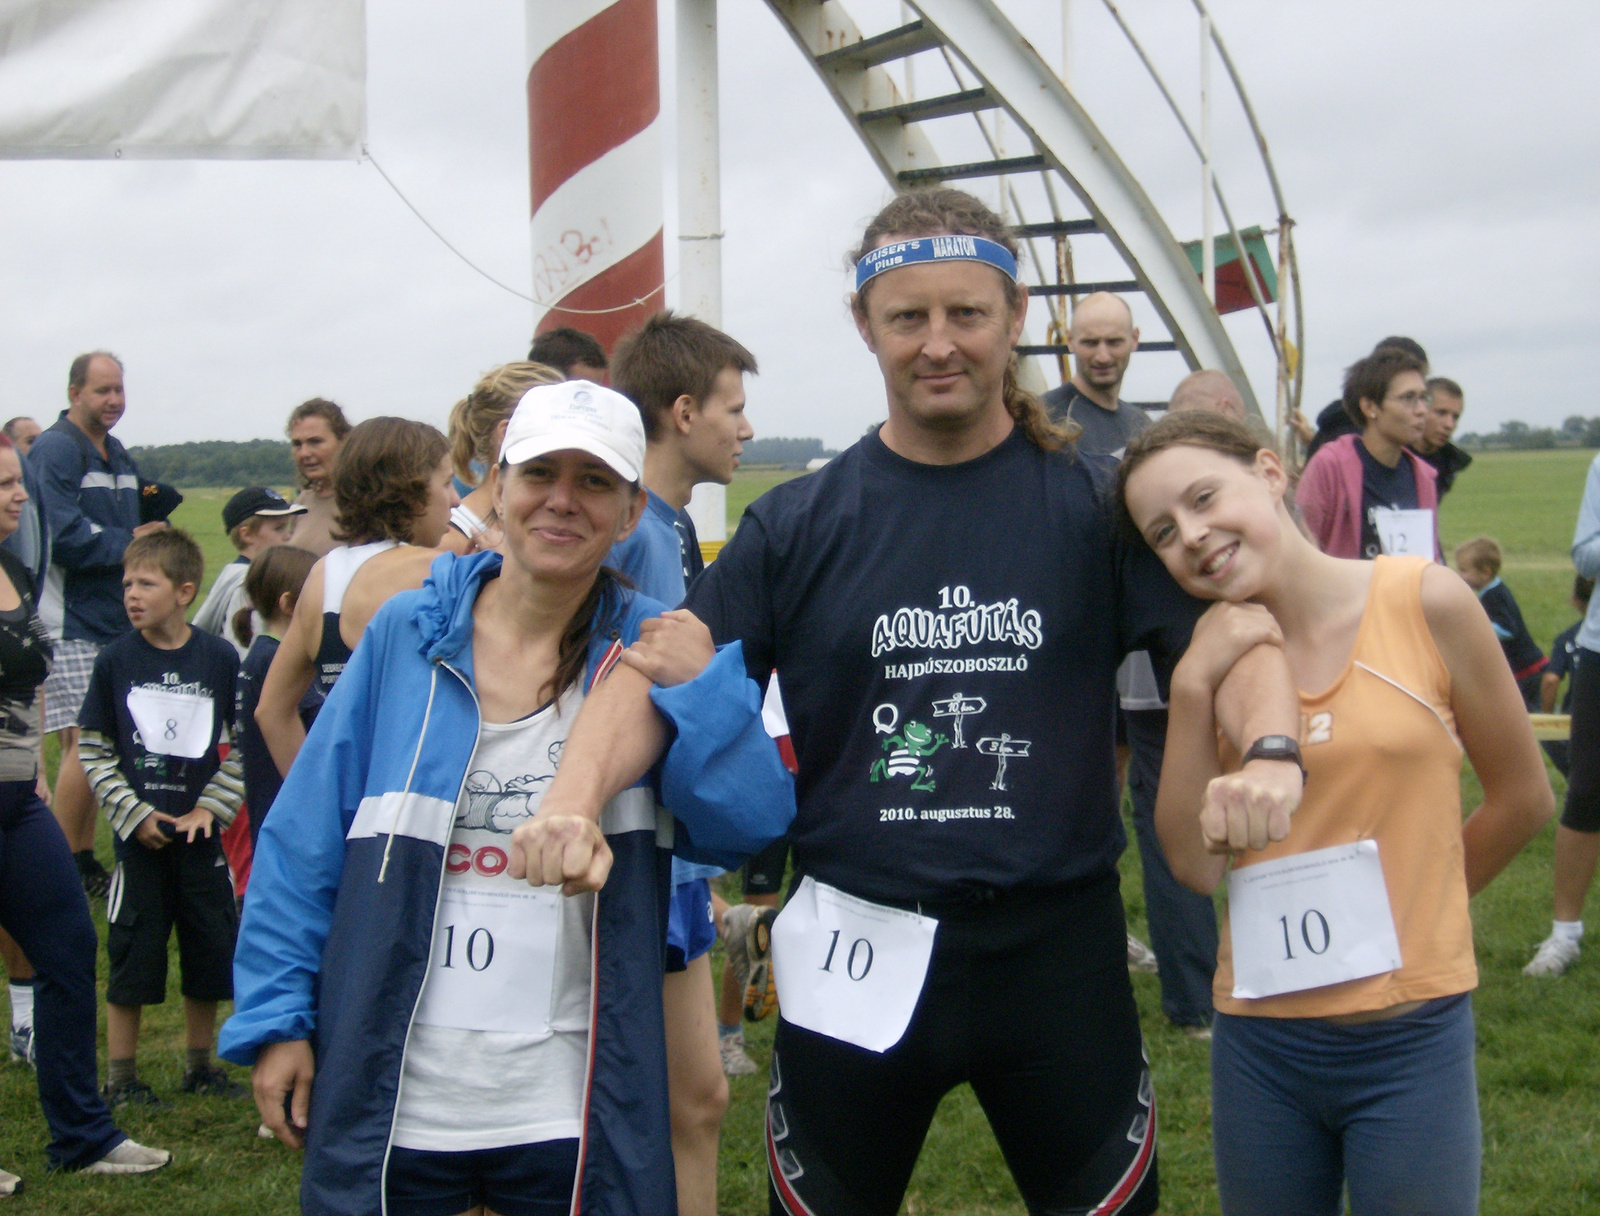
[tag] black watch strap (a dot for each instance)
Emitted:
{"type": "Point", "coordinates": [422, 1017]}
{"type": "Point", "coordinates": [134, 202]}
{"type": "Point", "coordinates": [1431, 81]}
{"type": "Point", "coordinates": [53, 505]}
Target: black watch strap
{"type": "Point", "coordinates": [1276, 747]}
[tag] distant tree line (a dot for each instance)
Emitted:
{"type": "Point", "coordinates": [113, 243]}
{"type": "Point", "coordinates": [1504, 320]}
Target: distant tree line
{"type": "Point", "coordinates": [1575, 432]}
{"type": "Point", "coordinates": [792, 453]}
{"type": "Point", "coordinates": [217, 462]}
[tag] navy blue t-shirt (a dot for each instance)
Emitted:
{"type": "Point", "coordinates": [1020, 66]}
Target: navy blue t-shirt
{"type": "Point", "coordinates": [1561, 652]}
{"type": "Point", "coordinates": [946, 640]}
{"type": "Point", "coordinates": [205, 666]}
{"type": "Point", "coordinates": [1382, 486]}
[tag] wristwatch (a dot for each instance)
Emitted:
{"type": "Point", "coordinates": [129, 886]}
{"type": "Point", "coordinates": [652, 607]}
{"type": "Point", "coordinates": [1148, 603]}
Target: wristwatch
{"type": "Point", "coordinates": [1276, 747]}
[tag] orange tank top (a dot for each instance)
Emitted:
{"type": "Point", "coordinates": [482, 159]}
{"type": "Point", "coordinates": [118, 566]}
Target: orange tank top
{"type": "Point", "coordinates": [1383, 763]}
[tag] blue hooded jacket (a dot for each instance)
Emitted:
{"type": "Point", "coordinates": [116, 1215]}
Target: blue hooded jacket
{"type": "Point", "coordinates": [339, 923]}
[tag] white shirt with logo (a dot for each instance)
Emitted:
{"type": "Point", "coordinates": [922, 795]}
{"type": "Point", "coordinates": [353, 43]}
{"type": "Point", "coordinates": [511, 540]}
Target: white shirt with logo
{"type": "Point", "coordinates": [498, 1047]}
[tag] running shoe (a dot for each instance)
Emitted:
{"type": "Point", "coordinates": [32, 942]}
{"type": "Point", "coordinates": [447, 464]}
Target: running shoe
{"type": "Point", "coordinates": [130, 1158]}
{"type": "Point", "coordinates": [736, 1062]}
{"type": "Point", "coordinates": [736, 925]}
{"type": "Point", "coordinates": [1140, 956]}
{"type": "Point", "coordinates": [22, 1047]}
{"type": "Point", "coordinates": [10, 1185]}
{"type": "Point", "coordinates": [1554, 956]}
{"type": "Point", "coordinates": [134, 1093]}
{"type": "Point", "coordinates": [96, 881]}
{"type": "Point", "coordinates": [761, 993]}
{"type": "Point", "coordinates": [211, 1082]}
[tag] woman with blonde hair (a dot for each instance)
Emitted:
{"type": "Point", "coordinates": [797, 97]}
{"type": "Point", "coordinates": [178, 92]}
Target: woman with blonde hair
{"type": "Point", "coordinates": [477, 425]}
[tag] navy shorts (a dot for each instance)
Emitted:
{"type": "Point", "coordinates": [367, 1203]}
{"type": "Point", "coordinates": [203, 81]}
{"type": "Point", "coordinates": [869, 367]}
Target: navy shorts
{"type": "Point", "coordinates": [519, 1180]}
{"type": "Point", "coordinates": [690, 929]}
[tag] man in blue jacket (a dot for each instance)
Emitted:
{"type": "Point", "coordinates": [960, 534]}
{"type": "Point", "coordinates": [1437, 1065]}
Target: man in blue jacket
{"type": "Point", "coordinates": [89, 504]}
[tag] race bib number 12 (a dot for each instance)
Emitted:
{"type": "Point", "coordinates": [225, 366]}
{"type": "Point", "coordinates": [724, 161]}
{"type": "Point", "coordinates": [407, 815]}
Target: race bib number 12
{"type": "Point", "coordinates": [1309, 920]}
{"type": "Point", "coordinates": [849, 968]}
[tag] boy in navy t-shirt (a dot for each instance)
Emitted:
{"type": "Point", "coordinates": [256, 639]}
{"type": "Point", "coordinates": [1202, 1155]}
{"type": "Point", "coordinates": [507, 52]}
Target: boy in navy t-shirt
{"type": "Point", "coordinates": [1562, 656]}
{"type": "Point", "coordinates": [1478, 561]}
{"type": "Point", "coordinates": [158, 704]}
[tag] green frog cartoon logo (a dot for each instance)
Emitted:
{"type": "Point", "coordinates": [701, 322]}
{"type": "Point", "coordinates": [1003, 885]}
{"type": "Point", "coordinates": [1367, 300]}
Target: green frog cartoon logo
{"type": "Point", "coordinates": [907, 751]}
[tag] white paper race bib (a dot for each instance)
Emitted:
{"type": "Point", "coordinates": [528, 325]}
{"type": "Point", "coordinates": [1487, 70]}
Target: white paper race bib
{"type": "Point", "coordinates": [171, 723]}
{"type": "Point", "coordinates": [1313, 919]}
{"type": "Point", "coordinates": [848, 968]}
{"type": "Point", "coordinates": [494, 959]}
{"type": "Point", "coordinates": [1404, 532]}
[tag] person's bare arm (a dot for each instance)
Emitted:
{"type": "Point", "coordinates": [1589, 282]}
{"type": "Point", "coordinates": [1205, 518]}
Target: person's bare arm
{"type": "Point", "coordinates": [278, 710]}
{"type": "Point", "coordinates": [1549, 686]}
{"type": "Point", "coordinates": [1252, 807]}
{"type": "Point", "coordinates": [617, 736]}
{"type": "Point", "coordinates": [1494, 728]}
{"type": "Point", "coordinates": [1234, 648]}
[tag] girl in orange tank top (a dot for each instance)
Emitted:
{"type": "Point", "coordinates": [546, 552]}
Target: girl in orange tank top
{"type": "Point", "coordinates": [1342, 975]}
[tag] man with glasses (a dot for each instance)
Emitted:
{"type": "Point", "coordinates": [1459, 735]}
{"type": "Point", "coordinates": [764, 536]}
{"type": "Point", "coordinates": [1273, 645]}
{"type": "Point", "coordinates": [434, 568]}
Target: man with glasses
{"type": "Point", "coordinates": [1370, 493]}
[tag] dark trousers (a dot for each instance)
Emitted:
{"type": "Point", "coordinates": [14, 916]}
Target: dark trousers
{"type": "Point", "coordinates": [1183, 924]}
{"type": "Point", "coordinates": [42, 905]}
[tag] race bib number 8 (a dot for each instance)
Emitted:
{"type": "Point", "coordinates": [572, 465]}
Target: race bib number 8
{"type": "Point", "coordinates": [494, 960]}
{"type": "Point", "coordinates": [171, 723]}
{"type": "Point", "coordinates": [849, 968]}
{"type": "Point", "coordinates": [1310, 920]}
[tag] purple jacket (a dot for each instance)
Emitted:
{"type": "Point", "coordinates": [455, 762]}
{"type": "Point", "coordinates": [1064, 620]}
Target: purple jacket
{"type": "Point", "coordinates": [1329, 496]}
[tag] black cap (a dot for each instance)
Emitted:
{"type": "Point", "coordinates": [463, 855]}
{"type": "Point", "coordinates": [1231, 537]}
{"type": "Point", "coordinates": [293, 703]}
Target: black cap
{"type": "Point", "coordinates": [157, 501]}
{"type": "Point", "coordinates": [256, 500]}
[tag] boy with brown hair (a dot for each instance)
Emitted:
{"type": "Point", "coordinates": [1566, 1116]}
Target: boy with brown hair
{"type": "Point", "coordinates": [159, 702]}
{"type": "Point", "coordinates": [1479, 561]}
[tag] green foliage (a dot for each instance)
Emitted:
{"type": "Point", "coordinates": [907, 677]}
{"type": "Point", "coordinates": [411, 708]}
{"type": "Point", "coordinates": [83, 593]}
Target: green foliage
{"type": "Point", "coordinates": [793, 452]}
{"type": "Point", "coordinates": [215, 462]}
{"type": "Point", "coordinates": [1515, 435]}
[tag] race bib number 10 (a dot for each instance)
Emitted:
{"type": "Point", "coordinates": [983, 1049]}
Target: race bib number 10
{"type": "Point", "coordinates": [1309, 920]}
{"type": "Point", "coordinates": [494, 960]}
{"type": "Point", "coordinates": [849, 968]}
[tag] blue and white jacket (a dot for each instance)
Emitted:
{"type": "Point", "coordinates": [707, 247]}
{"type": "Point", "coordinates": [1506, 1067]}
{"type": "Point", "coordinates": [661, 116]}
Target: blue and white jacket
{"type": "Point", "coordinates": [339, 923]}
{"type": "Point", "coordinates": [90, 505]}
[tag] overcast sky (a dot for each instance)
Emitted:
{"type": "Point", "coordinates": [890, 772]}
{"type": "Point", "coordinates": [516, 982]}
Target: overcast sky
{"type": "Point", "coordinates": [1441, 160]}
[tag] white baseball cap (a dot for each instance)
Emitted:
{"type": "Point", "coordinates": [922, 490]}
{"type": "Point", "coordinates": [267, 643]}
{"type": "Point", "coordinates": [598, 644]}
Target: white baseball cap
{"type": "Point", "coordinates": [577, 415]}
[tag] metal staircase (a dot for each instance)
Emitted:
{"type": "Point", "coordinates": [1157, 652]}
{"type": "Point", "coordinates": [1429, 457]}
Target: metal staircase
{"type": "Point", "coordinates": [994, 75]}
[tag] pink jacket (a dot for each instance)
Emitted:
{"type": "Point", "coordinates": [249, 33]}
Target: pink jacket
{"type": "Point", "coordinates": [1329, 496]}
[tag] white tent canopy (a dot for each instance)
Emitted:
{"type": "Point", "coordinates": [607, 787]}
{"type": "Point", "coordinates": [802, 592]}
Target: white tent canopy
{"type": "Point", "coordinates": [241, 79]}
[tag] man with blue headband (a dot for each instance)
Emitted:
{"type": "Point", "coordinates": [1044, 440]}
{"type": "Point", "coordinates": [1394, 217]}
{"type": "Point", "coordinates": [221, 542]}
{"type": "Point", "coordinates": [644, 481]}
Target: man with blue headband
{"type": "Point", "coordinates": [945, 605]}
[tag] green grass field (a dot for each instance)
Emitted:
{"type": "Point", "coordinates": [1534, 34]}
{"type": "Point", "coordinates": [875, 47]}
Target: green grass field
{"type": "Point", "coordinates": [1538, 1066]}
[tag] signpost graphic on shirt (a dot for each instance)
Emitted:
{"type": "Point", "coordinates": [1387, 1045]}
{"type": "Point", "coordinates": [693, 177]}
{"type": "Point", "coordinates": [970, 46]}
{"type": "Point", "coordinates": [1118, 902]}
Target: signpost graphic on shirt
{"type": "Point", "coordinates": [1003, 748]}
{"type": "Point", "coordinates": [959, 707]}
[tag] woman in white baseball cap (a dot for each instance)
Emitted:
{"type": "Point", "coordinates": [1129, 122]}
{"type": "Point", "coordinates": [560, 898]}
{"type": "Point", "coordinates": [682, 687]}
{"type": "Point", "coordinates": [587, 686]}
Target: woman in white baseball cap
{"type": "Point", "coordinates": [483, 1041]}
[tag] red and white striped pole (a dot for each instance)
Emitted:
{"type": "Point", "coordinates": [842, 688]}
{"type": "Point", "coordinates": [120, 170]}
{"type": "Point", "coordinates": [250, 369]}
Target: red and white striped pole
{"type": "Point", "coordinates": [594, 154]}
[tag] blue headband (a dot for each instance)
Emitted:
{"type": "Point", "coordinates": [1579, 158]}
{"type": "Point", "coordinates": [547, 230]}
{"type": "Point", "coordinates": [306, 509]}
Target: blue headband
{"type": "Point", "coordinates": [936, 249]}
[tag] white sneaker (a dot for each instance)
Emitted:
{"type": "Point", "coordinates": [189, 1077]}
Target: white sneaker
{"type": "Point", "coordinates": [1554, 956]}
{"type": "Point", "coordinates": [736, 1062]}
{"type": "Point", "coordinates": [130, 1158]}
{"type": "Point", "coordinates": [1140, 956]}
{"type": "Point", "coordinates": [10, 1185]}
